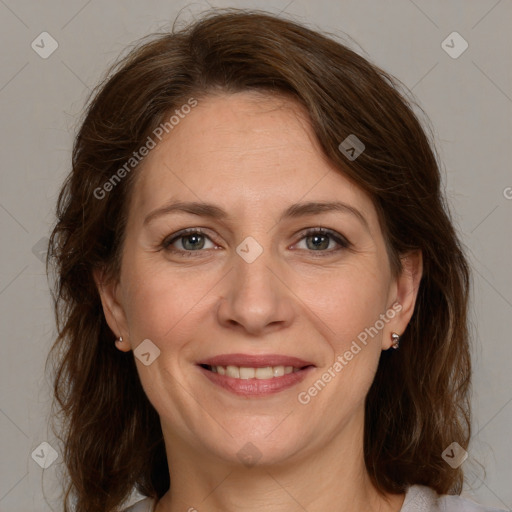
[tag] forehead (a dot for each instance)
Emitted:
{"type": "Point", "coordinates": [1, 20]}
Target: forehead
{"type": "Point", "coordinates": [240, 150]}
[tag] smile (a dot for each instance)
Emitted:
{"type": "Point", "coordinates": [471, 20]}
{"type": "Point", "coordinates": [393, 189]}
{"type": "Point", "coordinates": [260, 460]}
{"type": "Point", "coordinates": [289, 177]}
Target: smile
{"type": "Point", "coordinates": [242, 372]}
{"type": "Point", "coordinates": [254, 382]}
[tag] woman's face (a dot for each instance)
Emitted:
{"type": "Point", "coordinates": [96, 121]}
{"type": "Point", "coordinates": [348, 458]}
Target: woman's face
{"type": "Point", "coordinates": [277, 278]}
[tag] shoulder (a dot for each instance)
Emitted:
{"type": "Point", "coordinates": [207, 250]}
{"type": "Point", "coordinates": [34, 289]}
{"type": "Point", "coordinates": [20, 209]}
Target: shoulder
{"type": "Point", "coordinates": [145, 505]}
{"type": "Point", "coordinates": [420, 498]}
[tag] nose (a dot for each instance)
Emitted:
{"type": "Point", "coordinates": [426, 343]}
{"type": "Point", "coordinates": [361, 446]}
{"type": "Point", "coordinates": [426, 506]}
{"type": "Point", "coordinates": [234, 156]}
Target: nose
{"type": "Point", "coordinates": [256, 298]}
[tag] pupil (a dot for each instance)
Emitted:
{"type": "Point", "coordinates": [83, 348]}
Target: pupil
{"type": "Point", "coordinates": [318, 238]}
{"type": "Point", "coordinates": [194, 238]}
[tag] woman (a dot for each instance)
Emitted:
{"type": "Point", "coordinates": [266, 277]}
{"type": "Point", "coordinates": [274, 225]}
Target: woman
{"type": "Point", "coordinates": [255, 212]}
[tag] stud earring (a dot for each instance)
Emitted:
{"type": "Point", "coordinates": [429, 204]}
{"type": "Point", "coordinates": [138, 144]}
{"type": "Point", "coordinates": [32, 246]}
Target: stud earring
{"type": "Point", "coordinates": [119, 339]}
{"type": "Point", "coordinates": [396, 340]}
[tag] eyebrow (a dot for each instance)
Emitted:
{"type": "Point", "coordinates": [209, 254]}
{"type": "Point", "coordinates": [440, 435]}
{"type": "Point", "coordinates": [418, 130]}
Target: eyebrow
{"type": "Point", "coordinates": [294, 211]}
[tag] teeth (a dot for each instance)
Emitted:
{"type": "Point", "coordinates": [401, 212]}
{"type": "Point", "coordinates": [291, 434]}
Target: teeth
{"type": "Point", "coordinates": [278, 371]}
{"type": "Point", "coordinates": [247, 373]}
{"type": "Point", "coordinates": [232, 371]}
{"type": "Point", "coordinates": [242, 372]}
{"type": "Point", "coordinates": [264, 373]}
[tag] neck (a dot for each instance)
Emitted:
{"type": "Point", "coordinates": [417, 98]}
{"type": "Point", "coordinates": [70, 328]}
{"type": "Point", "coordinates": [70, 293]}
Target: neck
{"type": "Point", "coordinates": [331, 474]}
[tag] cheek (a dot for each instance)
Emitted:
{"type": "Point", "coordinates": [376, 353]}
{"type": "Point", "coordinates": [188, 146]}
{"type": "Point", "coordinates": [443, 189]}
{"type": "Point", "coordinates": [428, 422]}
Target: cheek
{"type": "Point", "coordinates": [347, 300]}
{"type": "Point", "coordinates": [348, 305]}
{"type": "Point", "coordinates": [358, 299]}
{"type": "Point", "coordinates": [161, 304]}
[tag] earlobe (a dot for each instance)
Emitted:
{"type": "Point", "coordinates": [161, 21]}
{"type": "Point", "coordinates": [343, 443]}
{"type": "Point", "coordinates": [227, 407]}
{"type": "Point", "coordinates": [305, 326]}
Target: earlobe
{"type": "Point", "coordinates": [112, 309]}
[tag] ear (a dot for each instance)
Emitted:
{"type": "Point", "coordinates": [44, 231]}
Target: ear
{"type": "Point", "coordinates": [404, 294]}
{"type": "Point", "coordinates": [112, 308]}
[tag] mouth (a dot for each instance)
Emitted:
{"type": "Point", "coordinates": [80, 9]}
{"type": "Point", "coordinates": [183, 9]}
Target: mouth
{"type": "Point", "coordinates": [255, 376]}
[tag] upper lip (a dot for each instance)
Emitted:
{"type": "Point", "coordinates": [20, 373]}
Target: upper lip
{"type": "Point", "coordinates": [255, 361]}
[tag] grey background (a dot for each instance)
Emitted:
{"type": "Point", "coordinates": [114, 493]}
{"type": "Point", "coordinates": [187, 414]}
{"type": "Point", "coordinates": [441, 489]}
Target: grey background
{"type": "Point", "coordinates": [468, 99]}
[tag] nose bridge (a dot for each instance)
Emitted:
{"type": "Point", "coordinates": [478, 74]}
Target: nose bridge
{"type": "Point", "coordinates": [253, 281]}
{"type": "Point", "coordinates": [252, 273]}
{"type": "Point", "coordinates": [254, 297]}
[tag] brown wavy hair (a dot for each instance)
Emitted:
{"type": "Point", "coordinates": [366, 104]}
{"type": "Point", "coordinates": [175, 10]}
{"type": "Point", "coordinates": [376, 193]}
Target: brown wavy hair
{"type": "Point", "coordinates": [419, 402]}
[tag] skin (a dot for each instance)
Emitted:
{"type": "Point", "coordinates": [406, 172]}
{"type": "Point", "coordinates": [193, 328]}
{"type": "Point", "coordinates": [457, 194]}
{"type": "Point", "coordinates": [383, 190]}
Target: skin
{"type": "Point", "coordinates": [254, 156]}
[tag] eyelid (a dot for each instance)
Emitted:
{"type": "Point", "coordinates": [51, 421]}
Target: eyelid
{"type": "Point", "coordinates": [341, 240]}
{"type": "Point", "coordinates": [166, 243]}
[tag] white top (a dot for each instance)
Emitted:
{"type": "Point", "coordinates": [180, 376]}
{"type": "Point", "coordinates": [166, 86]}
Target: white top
{"type": "Point", "coordinates": [418, 498]}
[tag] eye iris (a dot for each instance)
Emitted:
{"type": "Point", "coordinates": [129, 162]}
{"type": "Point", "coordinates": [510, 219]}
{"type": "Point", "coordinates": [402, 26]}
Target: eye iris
{"type": "Point", "coordinates": [319, 241]}
{"type": "Point", "coordinates": [195, 237]}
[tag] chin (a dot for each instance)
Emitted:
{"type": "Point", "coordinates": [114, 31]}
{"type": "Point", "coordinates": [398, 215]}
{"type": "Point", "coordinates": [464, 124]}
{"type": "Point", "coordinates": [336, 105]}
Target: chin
{"type": "Point", "coordinates": [258, 445]}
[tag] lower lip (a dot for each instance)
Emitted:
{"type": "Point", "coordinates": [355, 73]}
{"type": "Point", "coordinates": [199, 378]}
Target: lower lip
{"type": "Point", "coordinates": [257, 387]}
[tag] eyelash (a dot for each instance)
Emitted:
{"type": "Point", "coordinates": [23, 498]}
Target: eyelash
{"type": "Point", "coordinates": [339, 239]}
